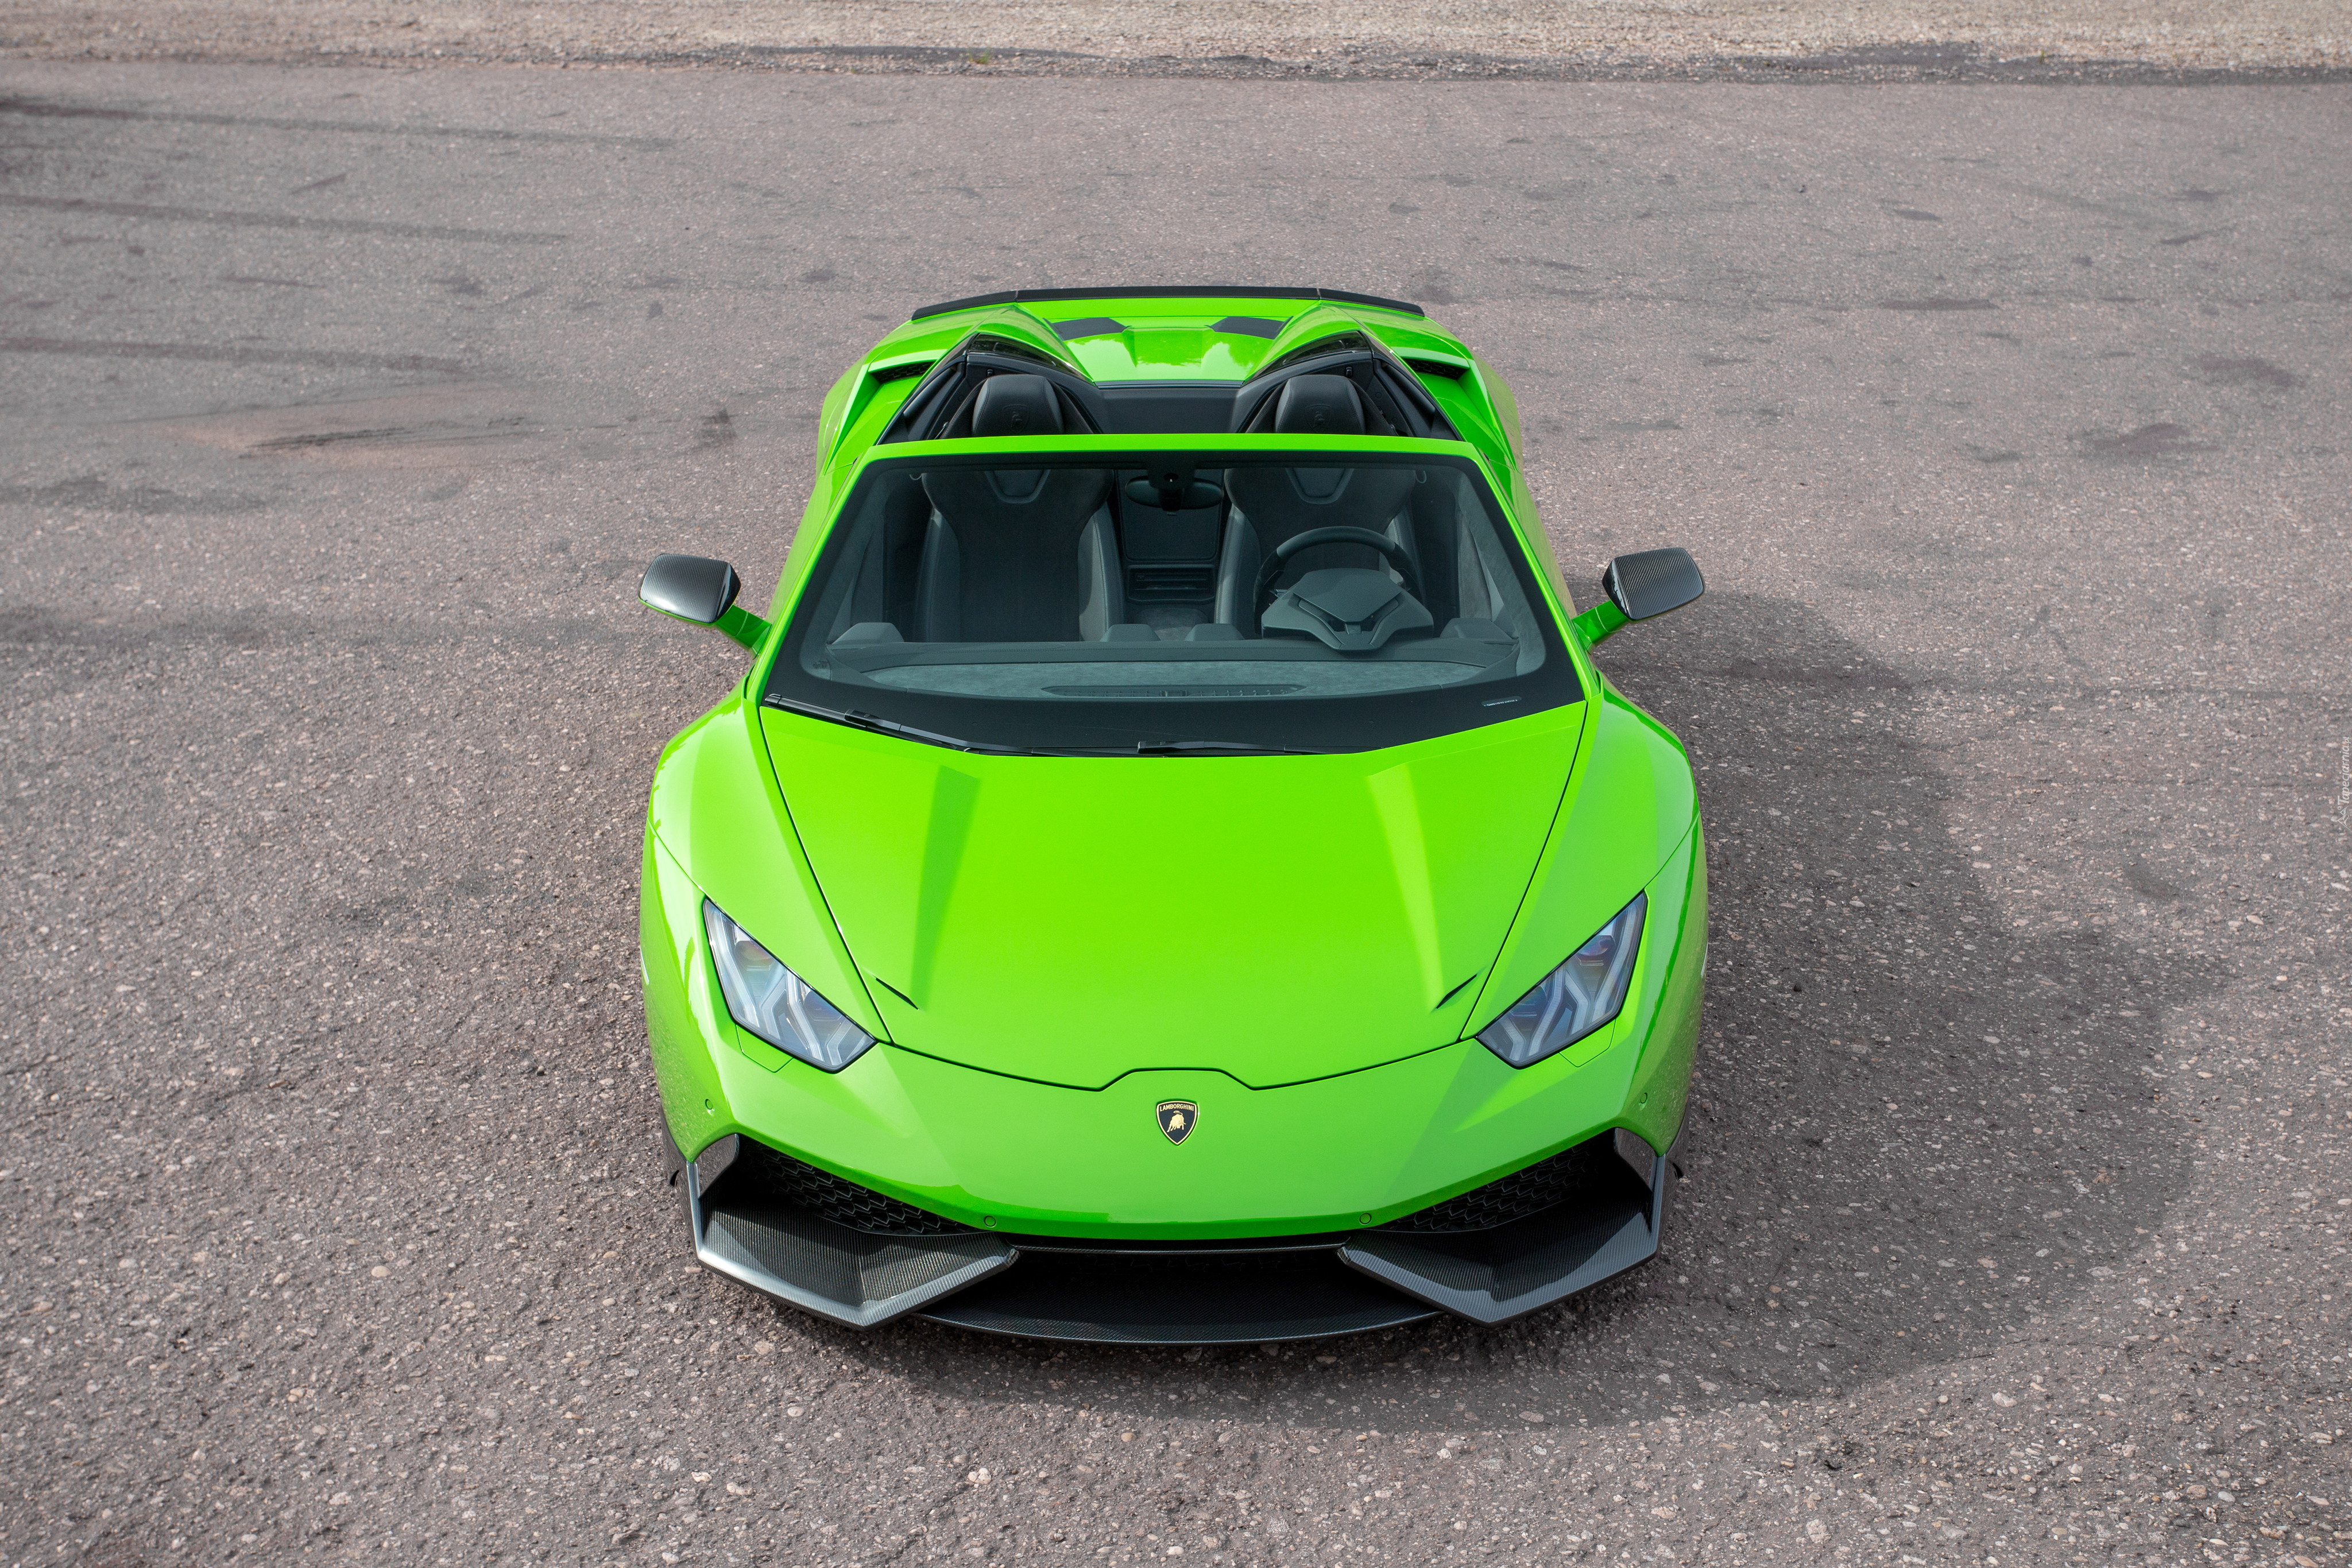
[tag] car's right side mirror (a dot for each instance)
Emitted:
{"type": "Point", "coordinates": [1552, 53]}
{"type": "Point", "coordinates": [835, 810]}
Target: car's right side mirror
{"type": "Point", "coordinates": [1640, 586]}
{"type": "Point", "coordinates": [696, 589]}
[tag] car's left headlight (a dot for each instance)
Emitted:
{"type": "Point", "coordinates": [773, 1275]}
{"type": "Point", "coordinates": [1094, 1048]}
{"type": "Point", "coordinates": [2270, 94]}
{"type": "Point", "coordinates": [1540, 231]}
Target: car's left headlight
{"type": "Point", "coordinates": [776, 1004]}
{"type": "Point", "coordinates": [1584, 993]}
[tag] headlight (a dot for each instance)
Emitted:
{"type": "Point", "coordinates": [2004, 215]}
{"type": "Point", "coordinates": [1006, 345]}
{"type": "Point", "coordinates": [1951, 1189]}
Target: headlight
{"type": "Point", "coordinates": [776, 1004]}
{"type": "Point", "coordinates": [1574, 999]}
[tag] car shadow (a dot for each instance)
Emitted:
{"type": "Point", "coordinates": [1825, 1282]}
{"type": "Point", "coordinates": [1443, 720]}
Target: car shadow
{"type": "Point", "coordinates": [1924, 1114]}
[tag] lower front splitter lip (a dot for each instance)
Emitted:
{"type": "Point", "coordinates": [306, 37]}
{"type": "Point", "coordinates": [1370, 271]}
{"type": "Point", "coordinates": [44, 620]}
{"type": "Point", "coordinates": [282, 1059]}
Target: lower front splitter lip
{"type": "Point", "coordinates": [1172, 1292]}
{"type": "Point", "coordinates": [1179, 1298]}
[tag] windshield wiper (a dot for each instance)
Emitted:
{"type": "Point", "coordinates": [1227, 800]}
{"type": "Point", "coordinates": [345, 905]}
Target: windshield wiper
{"type": "Point", "coordinates": [857, 719]}
{"type": "Point", "coordinates": [1221, 748]}
{"type": "Point", "coordinates": [1212, 749]}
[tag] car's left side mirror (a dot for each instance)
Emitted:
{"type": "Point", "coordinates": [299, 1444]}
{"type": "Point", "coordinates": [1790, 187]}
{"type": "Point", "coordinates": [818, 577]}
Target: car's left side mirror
{"type": "Point", "coordinates": [1639, 587]}
{"type": "Point", "coordinates": [697, 588]}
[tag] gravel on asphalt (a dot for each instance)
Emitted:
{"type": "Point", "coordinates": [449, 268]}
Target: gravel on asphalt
{"type": "Point", "coordinates": [1852, 39]}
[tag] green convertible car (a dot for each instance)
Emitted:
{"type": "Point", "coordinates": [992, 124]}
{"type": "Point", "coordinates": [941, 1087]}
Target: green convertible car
{"type": "Point", "coordinates": [1172, 873]}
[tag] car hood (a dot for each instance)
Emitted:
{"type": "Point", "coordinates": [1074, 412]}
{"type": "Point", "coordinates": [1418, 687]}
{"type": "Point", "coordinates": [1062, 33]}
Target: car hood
{"type": "Point", "coordinates": [1072, 919]}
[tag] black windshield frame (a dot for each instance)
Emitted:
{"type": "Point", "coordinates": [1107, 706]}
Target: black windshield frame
{"type": "Point", "coordinates": [1353, 722]}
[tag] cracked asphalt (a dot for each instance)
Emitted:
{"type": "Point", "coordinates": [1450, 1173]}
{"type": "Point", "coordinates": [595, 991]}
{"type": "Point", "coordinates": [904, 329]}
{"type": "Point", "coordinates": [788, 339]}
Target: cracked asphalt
{"type": "Point", "coordinates": [342, 408]}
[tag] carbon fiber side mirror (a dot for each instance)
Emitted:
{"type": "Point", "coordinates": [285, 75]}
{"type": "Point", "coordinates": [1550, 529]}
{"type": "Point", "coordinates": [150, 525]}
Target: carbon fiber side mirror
{"type": "Point", "coordinates": [699, 590]}
{"type": "Point", "coordinates": [1651, 581]}
{"type": "Point", "coordinates": [691, 586]}
{"type": "Point", "coordinates": [1639, 585]}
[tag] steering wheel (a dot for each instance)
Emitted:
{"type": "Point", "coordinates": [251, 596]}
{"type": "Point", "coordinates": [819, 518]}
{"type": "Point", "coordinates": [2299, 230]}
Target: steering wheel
{"type": "Point", "coordinates": [1396, 553]}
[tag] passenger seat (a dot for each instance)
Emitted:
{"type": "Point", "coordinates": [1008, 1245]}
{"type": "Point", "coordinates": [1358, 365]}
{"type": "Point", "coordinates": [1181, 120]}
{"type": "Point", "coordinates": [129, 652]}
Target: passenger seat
{"type": "Point", "coordinates": [1017, 554]}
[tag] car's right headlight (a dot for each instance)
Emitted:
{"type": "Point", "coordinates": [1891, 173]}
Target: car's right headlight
{"type": "Point", "coordinates": [1586, 992]}
{"type": "Point", "coordinates": [776, 1004]}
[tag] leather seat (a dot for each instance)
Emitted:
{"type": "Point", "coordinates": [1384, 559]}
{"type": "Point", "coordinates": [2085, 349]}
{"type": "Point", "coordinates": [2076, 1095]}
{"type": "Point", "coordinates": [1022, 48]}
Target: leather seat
{"type": "Point", "coordinates": [1271, 504]}
{"type": "Point", "coordinates": [1017, 555]}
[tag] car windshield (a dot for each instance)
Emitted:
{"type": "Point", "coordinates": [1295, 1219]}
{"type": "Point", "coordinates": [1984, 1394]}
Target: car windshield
{"type": "Point", "coordinates": [1171, 601]}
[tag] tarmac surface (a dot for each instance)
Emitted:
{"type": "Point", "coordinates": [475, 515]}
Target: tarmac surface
{"type": "Point", "coordinates": [342, 409]}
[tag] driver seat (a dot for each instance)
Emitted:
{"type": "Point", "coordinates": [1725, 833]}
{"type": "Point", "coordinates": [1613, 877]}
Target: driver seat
{"type": "Point", "coordinates": [1273, 504]}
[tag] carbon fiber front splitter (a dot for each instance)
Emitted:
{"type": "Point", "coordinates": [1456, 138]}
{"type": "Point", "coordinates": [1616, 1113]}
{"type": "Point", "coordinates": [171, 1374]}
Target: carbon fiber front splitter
{"type": "Point", "coordinates": [772, 1237]}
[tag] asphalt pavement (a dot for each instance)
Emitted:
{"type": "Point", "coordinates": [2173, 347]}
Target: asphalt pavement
{"type": "Point", "coordinates": [341, 409]}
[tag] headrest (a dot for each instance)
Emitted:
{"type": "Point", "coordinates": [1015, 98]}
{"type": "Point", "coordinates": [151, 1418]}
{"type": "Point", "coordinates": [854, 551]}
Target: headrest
{"type": "Point", "coordinates": [1016, 405]}
{"type": "Point", "coordinates": [1318, 405]}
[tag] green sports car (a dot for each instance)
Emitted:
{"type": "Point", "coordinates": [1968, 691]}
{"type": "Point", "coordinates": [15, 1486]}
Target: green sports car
{"type": "Point", "coordinates": [1172, 873]}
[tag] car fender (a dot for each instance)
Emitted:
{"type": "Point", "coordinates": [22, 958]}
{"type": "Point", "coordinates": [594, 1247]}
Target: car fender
{"type": "Point", "coordinates": [1629, 807]}
{"type": "Point", "coordinates": [715, 807]}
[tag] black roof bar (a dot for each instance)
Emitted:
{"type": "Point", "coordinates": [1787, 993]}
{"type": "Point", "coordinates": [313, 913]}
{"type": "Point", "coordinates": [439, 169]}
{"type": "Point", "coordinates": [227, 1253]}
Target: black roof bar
{"type": "Point", "coordinates": [1167, 291]}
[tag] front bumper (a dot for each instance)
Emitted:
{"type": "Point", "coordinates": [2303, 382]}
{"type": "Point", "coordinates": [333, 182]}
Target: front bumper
{"type": "Point", "coordinates": [860, 1259]}
{"type": "Point", "coordinates": [1289, 1211]}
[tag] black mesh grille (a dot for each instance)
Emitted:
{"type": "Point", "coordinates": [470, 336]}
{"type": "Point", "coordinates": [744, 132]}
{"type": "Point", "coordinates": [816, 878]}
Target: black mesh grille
{"type": "Point", "coordinates": [828, 1196]}
{"type": "Point", "coordinates": [1582, 1169]}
